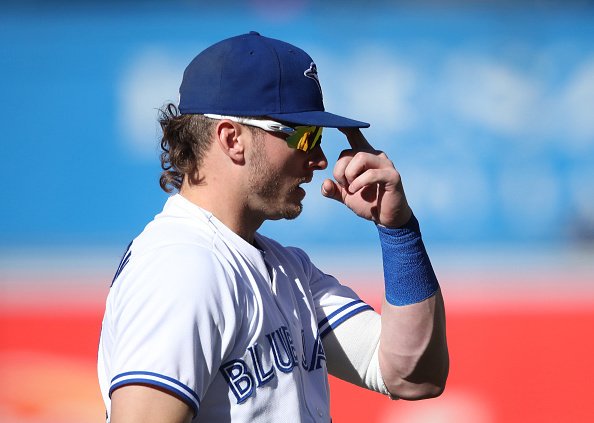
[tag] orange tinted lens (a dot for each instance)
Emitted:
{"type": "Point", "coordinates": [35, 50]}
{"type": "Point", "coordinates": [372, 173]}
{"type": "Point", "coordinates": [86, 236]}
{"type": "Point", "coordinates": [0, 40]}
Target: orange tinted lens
{"type": "Point", "coordinates": [305, 138]}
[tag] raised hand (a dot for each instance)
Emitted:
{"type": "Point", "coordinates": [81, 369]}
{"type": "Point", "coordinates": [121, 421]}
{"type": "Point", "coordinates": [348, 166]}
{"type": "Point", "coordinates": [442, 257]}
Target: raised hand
{"type": "Point", "coordinates": [367, 182]}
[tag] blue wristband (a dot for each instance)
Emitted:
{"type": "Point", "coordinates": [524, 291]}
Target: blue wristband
{"type": "Point", "coordinates": [408, 274]}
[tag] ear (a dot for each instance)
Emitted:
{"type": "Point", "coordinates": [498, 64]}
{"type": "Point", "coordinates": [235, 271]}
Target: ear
{"type": "Point", "coordinates": [230, 139]}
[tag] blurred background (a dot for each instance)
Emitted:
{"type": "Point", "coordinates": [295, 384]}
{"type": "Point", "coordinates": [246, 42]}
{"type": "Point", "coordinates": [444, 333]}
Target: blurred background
{"type": "Point", "coordinates": [486, 108]}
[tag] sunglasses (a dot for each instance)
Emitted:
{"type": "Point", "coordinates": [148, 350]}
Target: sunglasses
{"type": "Point", "coordinates": [304, 138]}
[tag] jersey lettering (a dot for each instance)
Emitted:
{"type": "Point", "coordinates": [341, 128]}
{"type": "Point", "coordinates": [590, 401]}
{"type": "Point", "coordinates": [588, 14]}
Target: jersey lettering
{"type": "Point", "coordinates": [303, 353]}
{"type": "Point", "coordinates": [239, 379]}
{"type": "Point", "coordinates": [262, 376]}
{"type": "Point", "coordinates": [318, 355]}
{"type": "Point", "coordinates": [243, 379]}
{"type": "Point", "coordinates": [290, 346]}
{"type": "Point", "coordinates": [281, 351]}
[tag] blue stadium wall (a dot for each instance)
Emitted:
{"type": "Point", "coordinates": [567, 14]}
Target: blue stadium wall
{"type": "Point", "coordinates": [488, 111]}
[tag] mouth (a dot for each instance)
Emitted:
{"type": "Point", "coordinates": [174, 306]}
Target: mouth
{"type": "Point", "coordinates": [305, 180]}
{"type": "Point", "coordinates": [298, 189]}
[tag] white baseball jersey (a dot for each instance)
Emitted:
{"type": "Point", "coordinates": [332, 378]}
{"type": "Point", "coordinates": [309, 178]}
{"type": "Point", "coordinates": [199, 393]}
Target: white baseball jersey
{"type": "Point", "coordinates": [233, 330]}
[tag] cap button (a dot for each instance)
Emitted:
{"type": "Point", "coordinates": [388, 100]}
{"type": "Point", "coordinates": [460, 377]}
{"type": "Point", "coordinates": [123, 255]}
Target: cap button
{"type": "Point", "coordinates": [254, 33]}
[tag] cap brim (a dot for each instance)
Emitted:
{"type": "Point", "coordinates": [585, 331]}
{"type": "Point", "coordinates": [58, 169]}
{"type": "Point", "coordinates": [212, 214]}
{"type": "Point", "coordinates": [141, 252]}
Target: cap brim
{"type": "Point", "coordinates": [317, 118]}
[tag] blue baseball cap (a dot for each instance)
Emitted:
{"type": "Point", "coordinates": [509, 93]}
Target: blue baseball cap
{"type": "Point", "coordinates": [253, 75]}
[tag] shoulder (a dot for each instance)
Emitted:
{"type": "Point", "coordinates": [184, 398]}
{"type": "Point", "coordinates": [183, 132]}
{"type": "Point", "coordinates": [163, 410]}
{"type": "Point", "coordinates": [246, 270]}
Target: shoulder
{"type": "Point", "coordinates": [180, 222]}
{"type": "Point", "coordinates": [174, 253]}
{"type": "Point", "coordinates": [173, 268]}
{"type": "Point", "coordinates": [167, 231]}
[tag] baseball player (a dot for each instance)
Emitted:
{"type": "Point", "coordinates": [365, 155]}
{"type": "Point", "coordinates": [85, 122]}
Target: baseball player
{"type": "Point", "coordinates": [208, 320]}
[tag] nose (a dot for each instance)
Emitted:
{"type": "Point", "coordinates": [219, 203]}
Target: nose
{"type": "Point", "coordinates": [316, 159]}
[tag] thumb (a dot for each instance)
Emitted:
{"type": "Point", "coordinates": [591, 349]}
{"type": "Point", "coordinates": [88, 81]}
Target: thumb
{"type": "Point", "coordinates": [331, 189]}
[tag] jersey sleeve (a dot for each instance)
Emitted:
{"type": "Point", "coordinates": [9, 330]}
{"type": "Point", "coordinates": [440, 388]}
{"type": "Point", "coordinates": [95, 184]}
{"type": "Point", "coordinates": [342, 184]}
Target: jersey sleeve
{"type": "Point", "coordinates": [174, 318]}
{"type": "Point", "coordinates": [334, 303]}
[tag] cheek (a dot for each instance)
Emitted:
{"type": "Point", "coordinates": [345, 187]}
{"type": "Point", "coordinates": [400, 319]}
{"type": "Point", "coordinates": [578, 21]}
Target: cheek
{"type": "Point", "coordinates": [283, 160]}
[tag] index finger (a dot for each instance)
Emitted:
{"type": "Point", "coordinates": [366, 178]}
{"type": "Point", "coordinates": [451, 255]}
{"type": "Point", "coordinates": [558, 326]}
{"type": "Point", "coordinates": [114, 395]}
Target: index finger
{"type": "Point", "coordinates": [356, 139]}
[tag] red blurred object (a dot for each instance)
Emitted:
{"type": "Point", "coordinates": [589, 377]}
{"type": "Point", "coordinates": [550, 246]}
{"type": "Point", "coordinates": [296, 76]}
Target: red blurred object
{"type": "Point", "coordinates": [526, 361]}
{"type": "Point", "coordinates": [506, 367]}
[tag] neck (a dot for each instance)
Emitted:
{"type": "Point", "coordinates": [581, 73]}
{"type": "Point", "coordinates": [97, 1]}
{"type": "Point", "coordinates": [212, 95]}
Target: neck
{"type": "Point", "coordinates": [223, 205]}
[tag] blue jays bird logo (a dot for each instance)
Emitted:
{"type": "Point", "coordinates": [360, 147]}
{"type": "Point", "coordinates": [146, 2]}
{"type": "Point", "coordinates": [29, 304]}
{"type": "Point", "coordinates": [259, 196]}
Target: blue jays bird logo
{"type": "Point", "coordinates": [312, 73]}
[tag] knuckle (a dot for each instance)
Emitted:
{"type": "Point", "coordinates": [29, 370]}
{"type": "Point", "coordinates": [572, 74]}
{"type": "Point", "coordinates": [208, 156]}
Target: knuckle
{"type": "Point", "coordinates": [346, 153]}
{"type": "Point", "coordinates": [343, 162]}
{"type": "Point", "coordinates": [359, 159]}
{"type": "Point", "coordinates": [350, 173]}
{"type": "Point", "coordinates": [360, 155]}
{"type": "Point", "coordinates": [339, 177]}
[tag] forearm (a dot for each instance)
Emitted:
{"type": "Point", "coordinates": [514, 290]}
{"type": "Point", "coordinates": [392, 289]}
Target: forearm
{"type": "Point", "coordinates": [413, 354]}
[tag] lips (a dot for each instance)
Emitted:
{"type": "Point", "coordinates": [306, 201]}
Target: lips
{"type": "Point", "coordinates": [300, 192]}
{"type": "Point", "coordinates": [303, 181]}
{"type": "Point", "coordinates": [306, 180]}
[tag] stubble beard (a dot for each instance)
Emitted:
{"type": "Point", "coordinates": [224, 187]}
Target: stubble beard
{"type": "Point", "coordinates": [265, 185]}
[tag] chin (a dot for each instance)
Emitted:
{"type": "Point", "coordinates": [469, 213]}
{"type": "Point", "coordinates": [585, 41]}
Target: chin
{"type": "Point", "coordinates": [291, 216]}
{"type": "Point", "coordinates": [294, 211]}
{"type": "Point", "coordinates": [290, 212]}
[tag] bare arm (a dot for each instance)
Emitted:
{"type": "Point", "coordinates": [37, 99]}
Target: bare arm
{"type": "Point", "coordinates": [413, 355]}
{"type": "Point", "coordinates": [144, 404]}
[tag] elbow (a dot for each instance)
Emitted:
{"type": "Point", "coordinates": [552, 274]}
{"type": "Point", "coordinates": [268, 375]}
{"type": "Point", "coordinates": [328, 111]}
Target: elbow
{"type": "Point", "coordinates": [420, 385]}
{"type": "Point", "coordinates": [425, 391]}
{"type": "Point", "coordinates": [411, 391]}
